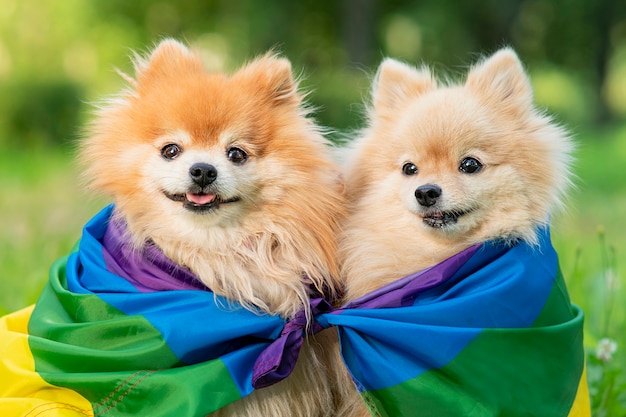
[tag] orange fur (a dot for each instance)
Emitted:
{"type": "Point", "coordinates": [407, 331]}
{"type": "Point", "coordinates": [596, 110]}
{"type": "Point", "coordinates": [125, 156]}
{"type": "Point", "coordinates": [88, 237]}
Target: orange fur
{"type": "Point", "coordinates": [525, 171]}
{"type": "Point", "coordinates": [262, 250]}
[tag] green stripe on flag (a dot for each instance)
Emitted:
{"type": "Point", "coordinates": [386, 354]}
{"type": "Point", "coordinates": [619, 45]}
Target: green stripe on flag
{"type": "Point", "coordinates": [77, 333]}
{"type": "Point", "coordinates": [120, 363]}
{"type": "Point", "coordinates": [558, 307]}
{"type": "Point", "coordinates": [503, 372]}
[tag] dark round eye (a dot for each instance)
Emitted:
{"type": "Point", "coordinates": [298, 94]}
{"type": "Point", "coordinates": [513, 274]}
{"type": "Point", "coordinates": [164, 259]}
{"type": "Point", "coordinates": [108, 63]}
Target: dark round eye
{"type": "Point", "coordinates": [409, 169]}
{"type": "Point", "coordinates": [171, 151]}
{"type": "Point", "coordinates": [237, 155]}
{"type": "Point", "coordinates": [470, 165]}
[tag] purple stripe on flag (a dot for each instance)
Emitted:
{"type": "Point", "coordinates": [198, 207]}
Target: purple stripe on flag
{"type": "Point", "coordinates": [402, 293]}
{"type": "Point", "coordinates": [147, 269]}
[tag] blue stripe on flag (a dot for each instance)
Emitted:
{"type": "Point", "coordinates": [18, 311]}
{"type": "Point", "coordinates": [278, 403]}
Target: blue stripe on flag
{"type": "Point", "coordinates": [497, 287]}
{"type": "Point", "coordinates": [196, 325]}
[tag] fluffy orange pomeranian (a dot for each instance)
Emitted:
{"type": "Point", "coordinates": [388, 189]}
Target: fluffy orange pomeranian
{"type": "Point", "coordinates": [442, 167]}
{"type": "Point", "coordinates": [231, 179]}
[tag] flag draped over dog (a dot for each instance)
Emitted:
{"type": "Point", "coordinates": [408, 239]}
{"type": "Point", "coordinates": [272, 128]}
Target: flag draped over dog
{"type": "Point", "coordinates": [102, 343]}
{"type": "Point", "coordinates": [488, 332]}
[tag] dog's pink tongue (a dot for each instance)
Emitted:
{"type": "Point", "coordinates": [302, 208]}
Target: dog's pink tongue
{"type": "Point", "coordinates": [200, 198]}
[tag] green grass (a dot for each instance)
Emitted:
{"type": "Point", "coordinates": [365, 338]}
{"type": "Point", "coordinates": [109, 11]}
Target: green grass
{"type": "Point", "coordinates": [591, 240]}
{"type": "Point", "coordinates": [591, 235]}
{"type": "Point", "coordinates": [43, 210]}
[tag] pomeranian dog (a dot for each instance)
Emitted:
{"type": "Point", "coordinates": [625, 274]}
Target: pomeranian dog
{"type": "Point", "coordinates": [442, 167]}
{"type": "Point", "coordinates": [231, 179]}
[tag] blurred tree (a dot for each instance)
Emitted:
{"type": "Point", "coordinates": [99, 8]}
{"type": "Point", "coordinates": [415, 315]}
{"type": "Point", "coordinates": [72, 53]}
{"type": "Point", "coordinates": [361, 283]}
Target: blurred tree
{"type": "Point", "coordinates": [42, 113]}
{"type": "Point", "coordinates": [358, 23]}
{"type": "Point", "coordinates": [604, 15]}
{"type": "Point", "coordinates": [62, 49]}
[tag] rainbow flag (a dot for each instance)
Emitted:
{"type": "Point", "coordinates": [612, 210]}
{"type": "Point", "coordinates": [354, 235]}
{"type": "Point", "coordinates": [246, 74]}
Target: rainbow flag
{"type": "Point", "coordinates": [117, 333]}
{"type": "Point", "coordinates": [488, 332]}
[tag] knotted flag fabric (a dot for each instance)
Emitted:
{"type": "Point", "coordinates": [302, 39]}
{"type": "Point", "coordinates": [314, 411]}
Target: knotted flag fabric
{"type": "Point", "coordinates": [488, 332]}
{"type": "Point", "coordinates": [116, 332]}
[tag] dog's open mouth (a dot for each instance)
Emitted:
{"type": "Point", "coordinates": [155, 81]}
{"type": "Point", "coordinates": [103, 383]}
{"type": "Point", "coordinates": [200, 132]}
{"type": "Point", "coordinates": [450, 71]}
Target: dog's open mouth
{"type": "Point", "coordinates": [441, 219]}
{"type": "Point", "coordinates": [200, 202]}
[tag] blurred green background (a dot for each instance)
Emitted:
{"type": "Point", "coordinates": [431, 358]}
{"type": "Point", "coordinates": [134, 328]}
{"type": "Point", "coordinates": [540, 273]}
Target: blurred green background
{"type": "Point", "coordinates": [58, 56]}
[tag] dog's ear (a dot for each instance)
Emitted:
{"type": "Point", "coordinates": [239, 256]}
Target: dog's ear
{"type": "Point", "coordinates": [272, 76]}
{"type": "Point", "coordinates": [502, 81]}
{"type": "Point", "coordinates": [397, 82]}
{"type": "Point", "coordinates": [170, 58]}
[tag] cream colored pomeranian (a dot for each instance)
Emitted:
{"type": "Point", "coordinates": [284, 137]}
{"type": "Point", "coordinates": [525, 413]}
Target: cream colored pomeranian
{"type": "Point", "coordinates": [442, 167]}
{"type": "Point", "coordinates": [228, 176]}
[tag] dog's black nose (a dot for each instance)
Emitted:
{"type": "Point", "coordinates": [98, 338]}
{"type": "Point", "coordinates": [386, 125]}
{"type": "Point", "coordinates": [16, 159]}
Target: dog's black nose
{"type": "Point", "coordinates": [427, 194]}
{"type": "Point", "coordinates": [202, 174]}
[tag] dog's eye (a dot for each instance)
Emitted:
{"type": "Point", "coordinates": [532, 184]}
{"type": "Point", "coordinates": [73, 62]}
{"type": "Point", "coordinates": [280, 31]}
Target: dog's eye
{"type": "Point", "coordinates": [409, 169]}
{"type": "Point", "coordinates": [237, 156]}
{"type": "Point", "coordinates": [171, 151]}
{"type": "Point", "coordinates": [470, 165]}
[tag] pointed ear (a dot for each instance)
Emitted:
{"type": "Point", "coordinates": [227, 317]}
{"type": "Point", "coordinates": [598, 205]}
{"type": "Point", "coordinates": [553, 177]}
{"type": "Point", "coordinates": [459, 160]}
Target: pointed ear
{"type": "Point", "coordinates": [272, 76]}
{"type": "Point", "coordinates": [170, 58]}
{"type": "Point", "coordinates": [502, 81]}
{"type": "Point", "coordinates": [396, 82]}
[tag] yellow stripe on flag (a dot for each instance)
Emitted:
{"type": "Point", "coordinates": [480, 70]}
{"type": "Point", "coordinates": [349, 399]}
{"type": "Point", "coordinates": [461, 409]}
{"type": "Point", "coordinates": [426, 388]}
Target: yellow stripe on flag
{"type": "Point", "coordinates": [581, 406]}
{"type": "Point", "coordinates": [22, 391]}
